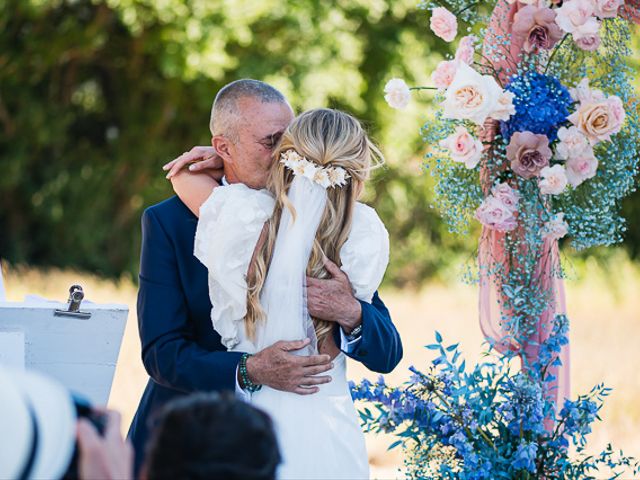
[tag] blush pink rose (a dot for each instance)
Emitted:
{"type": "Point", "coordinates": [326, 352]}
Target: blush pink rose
{"type": "Point", "coordinates": [581, 168]}
{"type": "Point", "coordinates": [587, 36]}
{"type": "Point", "coordinates": [495, 215]}
{"type": "Point", "coordinates": [607, 8]}
{"type": "Point", "coordinates": [536, 28]}
{"type": "Point", "coordinates": [598, 121]}
{"type": "Point", "coordinates": [528, 153]}
{"type": "Point", "coordinates": [573, 14]}
{"type": "Point", "coordinates": [463, 147]}
{"type": "Point", "coordinates": [466, 49]}
{"type": "Point", "coordinates": [507, 195]}
{"type": "Point", "coordinates": [444, 73]}
{"type": "Point", "coordinates": [444, 24]}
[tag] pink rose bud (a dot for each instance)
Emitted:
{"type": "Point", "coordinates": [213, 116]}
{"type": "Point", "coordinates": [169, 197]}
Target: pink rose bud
{"type": "Point", "coordinates": [444, 24]}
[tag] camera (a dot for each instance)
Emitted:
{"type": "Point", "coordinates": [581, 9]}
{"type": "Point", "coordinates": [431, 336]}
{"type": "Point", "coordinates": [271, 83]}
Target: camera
{"type": "Point", "coordinates": [97, 419]}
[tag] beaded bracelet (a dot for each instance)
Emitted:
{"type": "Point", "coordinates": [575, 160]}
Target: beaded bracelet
{"type": "Point", "coordinates": [245, 381]}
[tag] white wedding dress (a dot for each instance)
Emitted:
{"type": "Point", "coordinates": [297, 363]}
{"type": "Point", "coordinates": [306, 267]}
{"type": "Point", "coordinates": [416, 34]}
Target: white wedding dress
{"type": "Point", "coordinates": [319, 435]}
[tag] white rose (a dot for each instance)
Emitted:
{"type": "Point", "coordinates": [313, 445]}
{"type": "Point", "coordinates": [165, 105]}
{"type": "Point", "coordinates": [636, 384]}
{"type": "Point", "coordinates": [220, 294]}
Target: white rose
{"type": "Point", "coordinates": [397, 93]}
{"type": "Point", "coordinates": [572, 143]}
{"type": "Point", "coordinates": [471, 96]}
{"type": "Point", "coordinates": [553, 180]}
{"type": "Point", "coordinates": [504, 108]}
{"type": "Point", "coordinates": [581, 168]}
{"type": "Point", "coordinates": [583, 93]}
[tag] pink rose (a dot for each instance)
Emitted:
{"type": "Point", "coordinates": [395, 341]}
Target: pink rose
{"type": "Point", "coordinates": [572, 143]}
{"type": "Point", "coordinates": [528, 153]}
{"type": "Point", "coordinates": [598, 121]}
{"type": "Point", "coordinates": [507, 195]}
{"type": "Point", "coordinates": [581, 168]}
{"type": "Point", "coordinates": [587, 36]}
{"type": "Point", "coordinates": [556, 228]}
{"type": "Point", "coordinates": [444, 73]}
{"type": "Point", "coordinates": [466, 49]}
{"type": "Point", "coordinates": [607, 8]}
{"type": "Point", "coordinates": [573, 14]}
{"type": "Point", "coordinates": [444, 24]}
{"type": "Point", "coordinates": [536, 28]}
{"type": "Point", "coordinates": [553, 180]}
{"type": "Point", "coordinates": [494, 214]}
{"type": "Point", "coordinates": [463, 147]}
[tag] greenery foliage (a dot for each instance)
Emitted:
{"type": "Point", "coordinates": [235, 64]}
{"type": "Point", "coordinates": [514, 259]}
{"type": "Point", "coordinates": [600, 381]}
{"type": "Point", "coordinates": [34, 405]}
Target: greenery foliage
{"type": "Point", "coordinates": [95, 95]}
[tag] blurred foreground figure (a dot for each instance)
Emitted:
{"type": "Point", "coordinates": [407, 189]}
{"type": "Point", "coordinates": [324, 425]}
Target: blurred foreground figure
{"type": "Point", "coordinates": [46, 433]}
{"type": "Point", "coordinates": [212, 436]}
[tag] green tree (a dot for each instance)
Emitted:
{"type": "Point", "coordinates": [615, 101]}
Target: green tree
{"type": "Point", "coordinates": [95, 95]}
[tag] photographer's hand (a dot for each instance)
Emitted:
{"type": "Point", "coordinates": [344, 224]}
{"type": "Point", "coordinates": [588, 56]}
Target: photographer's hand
{"type": "Point", "coordinates": [109, 457]}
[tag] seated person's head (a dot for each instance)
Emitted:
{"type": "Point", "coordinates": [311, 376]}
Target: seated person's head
{"type": "Point", "coordinates": [211, 436]}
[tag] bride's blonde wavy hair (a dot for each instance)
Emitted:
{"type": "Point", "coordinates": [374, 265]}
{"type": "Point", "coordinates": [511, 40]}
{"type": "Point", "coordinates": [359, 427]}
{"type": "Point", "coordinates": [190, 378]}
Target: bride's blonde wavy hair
{"type": "Point", "coordinates": [327, 138]}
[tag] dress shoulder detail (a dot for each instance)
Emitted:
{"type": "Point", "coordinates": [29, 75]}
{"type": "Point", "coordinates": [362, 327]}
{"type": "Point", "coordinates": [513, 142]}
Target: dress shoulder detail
{"type": "Point", "coordinates": [228, 230]}
{"type": "Point", "coordinates": [365, 254]}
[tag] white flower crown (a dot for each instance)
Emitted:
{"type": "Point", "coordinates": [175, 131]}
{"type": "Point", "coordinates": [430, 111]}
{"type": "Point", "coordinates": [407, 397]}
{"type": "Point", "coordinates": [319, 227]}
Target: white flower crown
{"type": "Point", "coordinates": [324, 176]}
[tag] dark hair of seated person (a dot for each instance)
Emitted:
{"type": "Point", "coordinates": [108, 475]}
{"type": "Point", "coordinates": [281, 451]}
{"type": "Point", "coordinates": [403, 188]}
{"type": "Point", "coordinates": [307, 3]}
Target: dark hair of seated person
{"type": "Point", "coordinates": [212, 436]}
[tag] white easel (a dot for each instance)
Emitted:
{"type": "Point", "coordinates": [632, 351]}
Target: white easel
{"type": "Point", "coordinates": [78, 344]}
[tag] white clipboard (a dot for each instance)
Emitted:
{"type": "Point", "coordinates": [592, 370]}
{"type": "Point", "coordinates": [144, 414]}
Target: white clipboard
{"type": "Point", "coordinates": [79, 351]}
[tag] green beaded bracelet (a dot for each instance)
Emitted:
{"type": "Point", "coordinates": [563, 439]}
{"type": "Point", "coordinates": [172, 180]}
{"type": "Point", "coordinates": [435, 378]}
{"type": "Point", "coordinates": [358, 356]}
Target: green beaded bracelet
{"type": "Point", "coordinates": [245, 381]}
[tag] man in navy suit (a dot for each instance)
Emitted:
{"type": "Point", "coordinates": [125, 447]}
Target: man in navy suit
{"type": "Point", "coordinates": [180, 349]}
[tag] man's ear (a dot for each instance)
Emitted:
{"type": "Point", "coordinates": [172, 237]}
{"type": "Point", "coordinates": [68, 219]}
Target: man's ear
{"type": "Point", "coordinates": [223, 147]}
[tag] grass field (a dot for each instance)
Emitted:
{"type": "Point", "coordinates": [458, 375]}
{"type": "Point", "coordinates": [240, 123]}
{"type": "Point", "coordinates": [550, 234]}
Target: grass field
{"type": "Point", "coordinates": [604, 307]}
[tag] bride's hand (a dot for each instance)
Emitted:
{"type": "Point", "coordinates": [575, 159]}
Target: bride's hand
{"type": "Point", "coordinates": [198, 159]}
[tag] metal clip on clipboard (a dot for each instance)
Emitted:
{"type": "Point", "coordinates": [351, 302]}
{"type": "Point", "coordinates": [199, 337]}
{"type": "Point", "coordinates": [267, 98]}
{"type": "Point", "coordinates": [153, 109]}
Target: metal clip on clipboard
{"type": "Point", "coordinates": [76, 295]}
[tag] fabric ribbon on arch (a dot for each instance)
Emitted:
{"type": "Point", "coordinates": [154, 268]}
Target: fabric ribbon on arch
{"type": "Point", "coordinates": [501, 324]}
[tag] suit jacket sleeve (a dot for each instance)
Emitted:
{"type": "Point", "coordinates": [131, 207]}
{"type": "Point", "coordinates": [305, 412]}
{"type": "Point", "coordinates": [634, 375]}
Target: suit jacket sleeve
{"type": "Point", "coordinates": [170, 353]}
{"type": "Point", "coordinates": [380, 347]}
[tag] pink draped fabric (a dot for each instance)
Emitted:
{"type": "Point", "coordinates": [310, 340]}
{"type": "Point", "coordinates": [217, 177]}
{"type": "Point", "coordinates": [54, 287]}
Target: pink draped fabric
{"type": "Point", "coordinates": [493, 260]}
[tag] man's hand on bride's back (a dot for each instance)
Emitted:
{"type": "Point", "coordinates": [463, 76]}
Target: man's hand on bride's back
{"type": "Point", "coordinates": [277, 367]}
{"type": "Point", "coordinates": [198, 159]}
{"type": "Point", "coordinates": [332, 299]}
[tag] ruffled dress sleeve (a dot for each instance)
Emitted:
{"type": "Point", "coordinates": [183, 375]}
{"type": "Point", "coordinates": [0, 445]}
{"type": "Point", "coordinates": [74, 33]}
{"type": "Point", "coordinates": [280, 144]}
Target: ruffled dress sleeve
{"type": "Point", "coordinates": [228, 230]}
{"type": "Point", "coordinates": [365, 254]}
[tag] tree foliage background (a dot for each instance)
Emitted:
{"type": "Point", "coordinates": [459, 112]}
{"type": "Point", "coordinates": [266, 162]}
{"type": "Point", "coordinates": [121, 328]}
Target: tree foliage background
{"type": "Point", "coordinates": [96, 95]}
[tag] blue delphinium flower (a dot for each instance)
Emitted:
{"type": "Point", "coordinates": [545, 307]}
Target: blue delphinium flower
{"type": "Point", "coordinates": [542, 105]}
{"type": "Point", "coordinates": [524, 457]}
{"type": "Point", "coordinates": [523, 408]}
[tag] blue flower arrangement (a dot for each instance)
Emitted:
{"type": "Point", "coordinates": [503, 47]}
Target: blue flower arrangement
{"type": "Point", "coordinates": [538, 139]}
{"type": "Point", "coordinates": [542, 105]}
{"type": "Point", "coordinates": [485, 422]}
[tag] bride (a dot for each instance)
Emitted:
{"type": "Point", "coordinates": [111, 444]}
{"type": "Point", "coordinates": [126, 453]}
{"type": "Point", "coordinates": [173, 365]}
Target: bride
{"type": "Point", "coordinates": [259, 245]}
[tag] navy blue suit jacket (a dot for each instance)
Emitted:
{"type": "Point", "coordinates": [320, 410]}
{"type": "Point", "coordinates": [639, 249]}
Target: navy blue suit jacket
{"type": "Point", "coordinates": [180, 349]}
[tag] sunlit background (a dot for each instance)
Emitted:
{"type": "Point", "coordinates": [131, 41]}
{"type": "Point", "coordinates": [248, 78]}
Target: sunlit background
{"type": "Point", "coordinates": [96, 95]}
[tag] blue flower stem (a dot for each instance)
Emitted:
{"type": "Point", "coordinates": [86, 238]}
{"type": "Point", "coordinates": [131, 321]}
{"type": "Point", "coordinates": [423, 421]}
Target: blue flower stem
{"type": "Point", "coordinates": [461, 420]}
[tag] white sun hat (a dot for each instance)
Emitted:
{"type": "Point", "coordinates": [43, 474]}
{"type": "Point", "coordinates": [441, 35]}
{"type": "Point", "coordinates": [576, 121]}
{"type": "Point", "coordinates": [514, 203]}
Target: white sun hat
{"type": "Point", "coordinates": [37, 426]}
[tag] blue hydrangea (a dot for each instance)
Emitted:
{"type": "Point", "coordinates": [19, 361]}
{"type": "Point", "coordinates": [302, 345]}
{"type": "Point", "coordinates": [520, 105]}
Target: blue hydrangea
{"type": "Point", "coordinates": [542, 105]}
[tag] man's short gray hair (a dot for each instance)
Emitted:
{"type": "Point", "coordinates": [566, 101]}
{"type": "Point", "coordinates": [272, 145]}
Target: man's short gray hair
{"type": "Point", "coordinates": [224, 112]}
